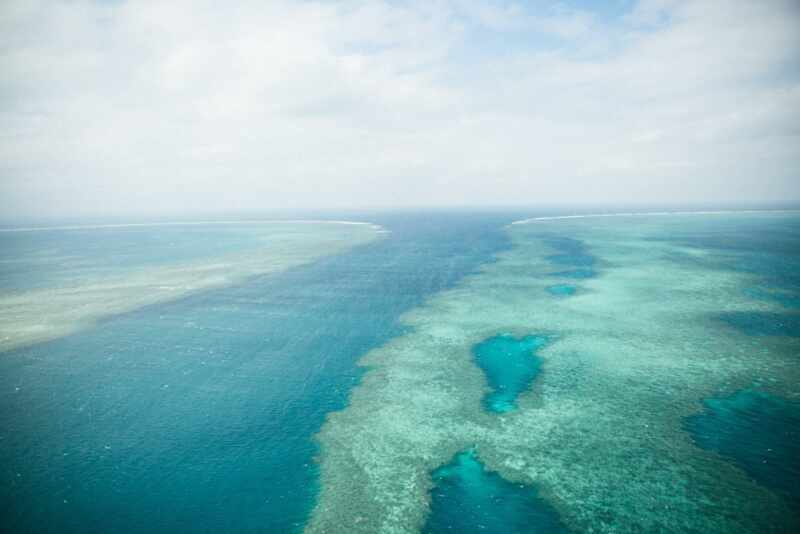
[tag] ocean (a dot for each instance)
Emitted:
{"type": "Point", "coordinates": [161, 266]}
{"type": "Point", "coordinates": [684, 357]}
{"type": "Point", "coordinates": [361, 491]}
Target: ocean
{"type": "Point", "coordinates": [285, 377]}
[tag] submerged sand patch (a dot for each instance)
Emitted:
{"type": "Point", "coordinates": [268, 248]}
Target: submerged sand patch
{"type": "Point", "coordinates": [33, 315]}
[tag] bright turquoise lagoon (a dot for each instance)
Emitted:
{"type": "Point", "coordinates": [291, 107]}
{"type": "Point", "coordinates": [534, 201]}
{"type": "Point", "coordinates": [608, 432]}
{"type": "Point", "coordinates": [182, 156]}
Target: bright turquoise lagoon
{"type": "Point", "coordinates": [510, 364]}
{"type": "Point", "coordinates": [561, 290]}
{"type": "Point", "coordinates": [466, 498]}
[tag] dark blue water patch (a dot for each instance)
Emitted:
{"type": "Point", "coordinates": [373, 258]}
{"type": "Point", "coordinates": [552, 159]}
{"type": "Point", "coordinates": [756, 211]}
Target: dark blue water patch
{"type": "Point", "coordinates": [199, 414]}
{"type": "Point", "coordinates": [561, 290]}
{"type": "Point", "coordinates": [764, 323]}
{"type": "Point", "coordinates": [510, 366]}
{"type": "Point", "coordinates": [571, 252]}
{"type": "Point", "coordinates": [467, 498]}
{"type": "Point", "coordinates": [785, 298]}
{"type": "Point", "coordinates": [751, 233]}
{"type": "Point", "coordinates": [577, 274]}
{"type": "Point", "coordinates": [566, 245]}
{"type": "Point", "coordinates": [767, 246]}
{"type": "Point", "coordinates": [759, 432]}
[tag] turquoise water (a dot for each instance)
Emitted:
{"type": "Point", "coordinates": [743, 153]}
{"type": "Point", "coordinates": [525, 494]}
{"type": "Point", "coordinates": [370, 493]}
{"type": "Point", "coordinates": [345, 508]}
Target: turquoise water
{"type": "Point", "coordinates": [561, 290]}
{"type": "Point", "coordinates": [466, 498]}
{"type": "Point", "coordinates": [510, 365]}
{"type": "Point", "coordinates": [199, 414]}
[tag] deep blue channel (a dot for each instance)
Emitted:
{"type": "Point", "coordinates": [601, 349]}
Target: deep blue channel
{"type": "Point", "coordinates": [198, 415]}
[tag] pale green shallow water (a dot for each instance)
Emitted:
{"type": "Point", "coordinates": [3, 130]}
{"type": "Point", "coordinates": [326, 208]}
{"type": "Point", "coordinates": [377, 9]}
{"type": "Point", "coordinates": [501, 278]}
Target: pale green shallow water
{"type": "Point", "coordinates": [664, 317]}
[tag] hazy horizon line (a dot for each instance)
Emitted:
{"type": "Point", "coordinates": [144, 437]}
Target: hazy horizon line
{"type": "Point", "coordinates": [98, 220]}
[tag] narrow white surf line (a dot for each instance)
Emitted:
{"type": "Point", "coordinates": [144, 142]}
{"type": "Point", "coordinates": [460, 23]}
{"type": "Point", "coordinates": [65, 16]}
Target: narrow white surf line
{"type": "Point", "coordinates": [648, 213]}
{"type": "Point", "coordinates": [186, 223]}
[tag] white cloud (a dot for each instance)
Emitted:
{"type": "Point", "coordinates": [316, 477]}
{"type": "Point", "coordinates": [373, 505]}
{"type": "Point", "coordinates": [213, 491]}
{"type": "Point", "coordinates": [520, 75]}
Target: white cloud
{"type": "Point", "coordinates": [142, 106]}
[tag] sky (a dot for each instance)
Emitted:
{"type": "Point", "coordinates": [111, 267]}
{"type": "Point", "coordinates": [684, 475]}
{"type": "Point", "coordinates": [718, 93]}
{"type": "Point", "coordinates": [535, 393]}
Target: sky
{"type": "Point", "coordinates": [115, 107]}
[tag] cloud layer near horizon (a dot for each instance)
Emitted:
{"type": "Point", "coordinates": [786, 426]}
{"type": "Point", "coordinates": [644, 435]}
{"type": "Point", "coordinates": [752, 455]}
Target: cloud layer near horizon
{"type": "Point", "coordinates": [113, 107]}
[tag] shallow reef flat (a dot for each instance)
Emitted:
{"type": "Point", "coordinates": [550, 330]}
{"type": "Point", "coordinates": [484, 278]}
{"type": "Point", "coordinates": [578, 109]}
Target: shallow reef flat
{"type": "Point", "coordinates": [56, 281]}
{"type": "Point", "coordinates": [607, 434]}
